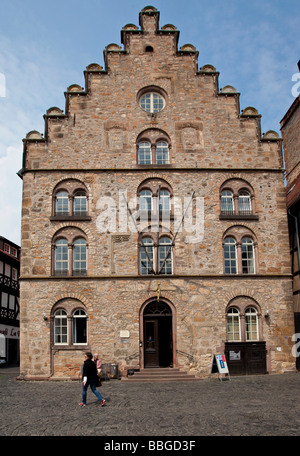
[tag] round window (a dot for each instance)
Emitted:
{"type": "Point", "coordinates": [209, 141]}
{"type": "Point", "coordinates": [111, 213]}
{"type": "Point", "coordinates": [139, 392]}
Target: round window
{"type": "Point", "coordinates": [152, 102]}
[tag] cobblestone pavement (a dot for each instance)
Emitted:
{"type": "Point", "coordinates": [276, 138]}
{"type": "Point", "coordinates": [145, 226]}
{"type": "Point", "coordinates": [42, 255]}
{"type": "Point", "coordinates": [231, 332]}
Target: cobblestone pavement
{"type": "Point", "coordinates": [245, 406]}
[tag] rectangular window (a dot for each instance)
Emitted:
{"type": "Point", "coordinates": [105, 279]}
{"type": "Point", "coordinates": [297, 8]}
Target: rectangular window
{"type": "Point", "coordinates": [165, 258]}
{"type": "Point", "coordinates": [248, 256]}
{"type": "Point", "coordinates": [61, 257]}
{"type": "Point", "coordinates": [11, 304]}
{"type": "Point", "coordinates": [146, 265]}
{"type": "Point", "coordinates": [79, 327]}
{"type": "Point", "coordinates": [61, 329]}
{"type": "Point", "coordinates": [230, 263]}
{"type": "Point", "coordinates": [4, 299]}
{"type": "Point", "coordinates": [7, 270]}
{"type": "Point", "coordinates": [80, 205]}
{"type": "Point", "coordinates": [79, 257]}
{"type": "Point", "coordinates": [14, 274]}
{"type": "Point", "coordinates": [13, 252]}
{"type": "Point", "coordinates": [251, 326]}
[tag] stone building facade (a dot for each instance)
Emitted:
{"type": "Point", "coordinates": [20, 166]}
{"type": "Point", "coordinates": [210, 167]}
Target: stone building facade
{"type": "Point", "coordinates": [154, 224]}
{"type": "Point", "coordinates": [290, 128]}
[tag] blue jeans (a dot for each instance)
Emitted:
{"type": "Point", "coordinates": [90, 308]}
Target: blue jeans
{"type": "Point", "coordinates": [92, 384]}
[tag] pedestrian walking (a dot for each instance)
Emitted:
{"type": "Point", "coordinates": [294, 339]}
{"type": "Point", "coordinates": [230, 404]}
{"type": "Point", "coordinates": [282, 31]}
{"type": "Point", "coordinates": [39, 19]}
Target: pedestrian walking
{"type": "Point", "coordinates": [98, 363]}
{"type": "Point", "coordinates": [89, 378]}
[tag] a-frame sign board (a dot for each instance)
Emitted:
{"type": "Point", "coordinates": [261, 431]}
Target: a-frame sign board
{"type": "Point", "coordinates": [219, 365]}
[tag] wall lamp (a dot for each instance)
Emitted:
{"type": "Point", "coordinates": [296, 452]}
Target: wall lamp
{"type": "Point", "coordinates": [45, 317]}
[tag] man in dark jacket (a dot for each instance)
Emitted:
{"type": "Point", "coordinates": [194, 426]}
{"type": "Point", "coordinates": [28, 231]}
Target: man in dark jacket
{"type": "Point", "coordinates": [89, 378]}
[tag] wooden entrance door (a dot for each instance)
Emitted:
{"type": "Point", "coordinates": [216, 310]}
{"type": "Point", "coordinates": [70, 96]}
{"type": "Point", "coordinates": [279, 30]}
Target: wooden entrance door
{"type": "Point", "coordinates": [157, 339]}
{"type": "Point", "coordinates": [151, 342]}
{"type": "Point", "coordinates": [246, 358]}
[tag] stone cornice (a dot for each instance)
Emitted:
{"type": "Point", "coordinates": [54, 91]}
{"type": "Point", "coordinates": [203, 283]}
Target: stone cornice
{"type": "Point", "coordinates": [238, 277]}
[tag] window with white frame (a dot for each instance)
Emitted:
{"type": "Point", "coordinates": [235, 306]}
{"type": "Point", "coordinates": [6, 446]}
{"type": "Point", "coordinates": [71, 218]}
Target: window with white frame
{"type": "Point", "coordinates": [251, 324]}
{"type": "Point", "coordinates": [162, 153]}
{"type": "Point", "coordinates": [61, 257]}
{"type": "Point", "coordinates": [146, 256]}
{"type": "Point", "coordinates": [70, 327]}
{"type": "Point", "coordinates": [79, 256]}
{"type": "Point", "coordinates": [156, 153]}
{"type": "Point", "coordinates": [80, 203]}
{"type": "Point", "coordinates": [69, 254]}
{"type": "Point", "coordinates": [79, 328]}
{"type": "Point", "coordinates": [70, 199]}
{"type": "Point", "coordinates": [239, 250]}
{"type": "Point", "coordinates": [230, 257]}
{"type": "Point", "coordinates": [152, 102]}
{"type": "Point", "coordinates": [248, 264]}
{"type": "Point", "coordinates": [144, 153]}
{"type": "Point", "coordinates": [165, 265]}
{"type": "Point", "coordinates": [60, 327]}
{"type": "Point", "coordinates": [233, 325]}
{"type": "Point", "coordinates": [227, 206]}
{"type": "Point", "coordinates": [242, 323]}
{"type": "Point", "coordinates": [164, 200]}
{"type": "Point", "coordinates": [62, 203]}
{"type": "Point", "coordinates": [244, 202]}
{"type": "Point", "coordinates": [156, 258]}
{"type": "Point", "coordinates": [145, 200]}
{"type": "Point", "coordinates": [237, 200]}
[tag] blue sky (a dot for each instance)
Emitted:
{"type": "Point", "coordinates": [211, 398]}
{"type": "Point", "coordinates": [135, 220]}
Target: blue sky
{"type": "Point", "coordinates": [46, 46]}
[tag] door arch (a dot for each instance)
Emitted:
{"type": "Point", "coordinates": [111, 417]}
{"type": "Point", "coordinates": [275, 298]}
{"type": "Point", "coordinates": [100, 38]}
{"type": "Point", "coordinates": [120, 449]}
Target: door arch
{"type": "Point", "coordinates": [157, 323]}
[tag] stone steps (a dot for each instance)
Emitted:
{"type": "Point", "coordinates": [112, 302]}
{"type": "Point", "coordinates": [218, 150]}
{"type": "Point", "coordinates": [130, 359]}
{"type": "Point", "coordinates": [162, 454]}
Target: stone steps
{"type": "Point", "coordinates": [161, 374]}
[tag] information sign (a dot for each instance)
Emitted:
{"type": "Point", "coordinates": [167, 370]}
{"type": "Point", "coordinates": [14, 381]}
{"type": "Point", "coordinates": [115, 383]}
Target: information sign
{"type": "Point", "coordinates": [219, 365]}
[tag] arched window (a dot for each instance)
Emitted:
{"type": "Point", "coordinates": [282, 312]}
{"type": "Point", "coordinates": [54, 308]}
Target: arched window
{"type": "Point", "coordinates": [251, 324]}
{"type": "Point", "coordinates": [237, 200]}
{"type": "Point", "coordinates": [144, 153]}
{"type": "Point", "coordinates": [164, 200]}
{"type": "Point", "coordinates": [240, 248]}
{"type": "Point", "coordinates": [69, 323]}
{"type": "Point", "coordinates": [243, 322]}
{"type": "Point", "coordinates": [244, 203]}
{"type": "Point", "coordinates": [227, 206]}
{"type": "Point", "coordinates": [61, 257]}
{"type": "Point", "coordinates": [153, 147]}
{"type": "Point", "coordinates": [79, 257]}
{"type": "Point", "coordinates": [69, 252]}
{"type": "Point", "coordinates": [233, 325]}
{"type": "Point", "coordinates": [70, 200]}
{"type": "Point", "coordinates": [80, 203]}
{"type": "Point", "coordinates": [146, 256]}
{"type": "Point", "coordinates": [248, 263]}
{"type": "Point", "coordinates": [60, 327]}
{"type": "Point", "coordinates": [62, 203]}
{"type": "Point", "coordinates": [165, 265]}
{"type": "Point", "coordinates": [162, 153]}
{"type": "Point", "coordinates": [145, 200]}
{"type": "Point", "coordinates": [79, 327]}
{"type": "Point", "coordinates": [230, 257]}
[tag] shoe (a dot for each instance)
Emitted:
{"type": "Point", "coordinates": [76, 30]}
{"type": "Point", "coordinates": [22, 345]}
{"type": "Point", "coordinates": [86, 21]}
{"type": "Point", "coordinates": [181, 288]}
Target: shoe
{"type": "Point", "coordinates": [102, 402]}
{"type": "Point", "coordinates": [81, 404]}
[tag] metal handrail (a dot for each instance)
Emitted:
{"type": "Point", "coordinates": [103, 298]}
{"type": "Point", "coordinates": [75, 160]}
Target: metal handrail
{"type": "Point", "coordinates": [188, 355]}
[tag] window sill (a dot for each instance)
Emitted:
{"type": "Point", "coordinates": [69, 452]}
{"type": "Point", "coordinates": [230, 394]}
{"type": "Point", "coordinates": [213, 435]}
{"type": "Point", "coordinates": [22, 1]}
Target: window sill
{"type": "Point", "coordinates": [238, 217]}
{"type": "Point", "coordinates": [152, 215]}
{"type": "Point", "coordinates": [154, 165]}
{"type": "Point", "coordinates": [59, 218]}
{"type": "Point", "coordinates": [66, 274]}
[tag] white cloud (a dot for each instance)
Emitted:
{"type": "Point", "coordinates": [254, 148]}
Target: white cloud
{"type": "Point", "coordinates": [10, 194]}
